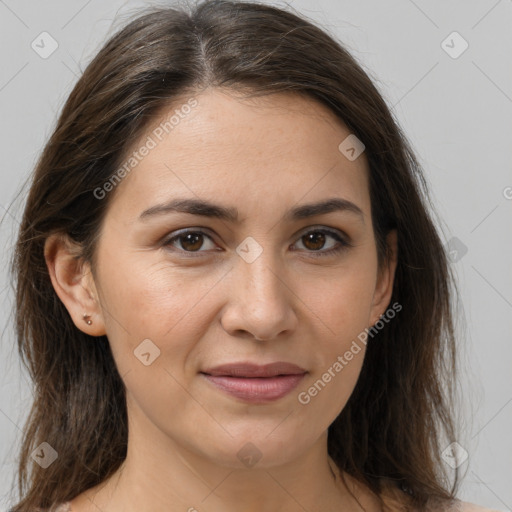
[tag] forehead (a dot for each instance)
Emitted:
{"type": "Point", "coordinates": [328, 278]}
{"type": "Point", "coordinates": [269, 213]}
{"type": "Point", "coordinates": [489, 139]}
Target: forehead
{"type": "Point", "coordinates": [271, 150]}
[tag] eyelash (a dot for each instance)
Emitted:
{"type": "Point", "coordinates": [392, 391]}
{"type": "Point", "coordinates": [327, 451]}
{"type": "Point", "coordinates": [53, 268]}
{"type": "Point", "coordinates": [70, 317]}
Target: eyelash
{"type": "Point", "coordinates": [342, 244]}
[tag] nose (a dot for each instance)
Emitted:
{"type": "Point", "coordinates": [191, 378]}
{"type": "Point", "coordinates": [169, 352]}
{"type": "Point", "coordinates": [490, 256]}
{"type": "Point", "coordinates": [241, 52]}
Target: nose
{"type": "Point", "coordinates": [261, 301]}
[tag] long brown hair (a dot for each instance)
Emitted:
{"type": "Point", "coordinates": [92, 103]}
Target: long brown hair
{"type": "Point", "coordinates": [391, 432]}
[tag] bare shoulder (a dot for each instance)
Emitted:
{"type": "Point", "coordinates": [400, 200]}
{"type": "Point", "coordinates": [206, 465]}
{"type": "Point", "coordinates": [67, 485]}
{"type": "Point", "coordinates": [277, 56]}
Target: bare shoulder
{"type": "Point", "coordinates": [64, 507]}
{"type": "Point", "coordinates": [466, 506]}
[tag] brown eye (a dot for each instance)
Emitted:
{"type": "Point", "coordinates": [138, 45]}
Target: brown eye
{"type": "Point", "coordinates": [314, 240]}
{"type": "Point", "coordinates": [189, 242]}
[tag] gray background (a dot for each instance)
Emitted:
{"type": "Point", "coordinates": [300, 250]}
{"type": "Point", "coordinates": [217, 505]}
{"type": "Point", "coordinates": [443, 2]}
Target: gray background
{"type": "Point", "coordinates": [457, 112]}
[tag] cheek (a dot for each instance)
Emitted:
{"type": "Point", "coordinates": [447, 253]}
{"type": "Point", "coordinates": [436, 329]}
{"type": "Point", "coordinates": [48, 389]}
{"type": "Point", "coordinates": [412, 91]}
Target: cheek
{"type": "Point", "coordinates": [342, 303]}
{"type": "Point", "coordinates": [326, 391]}
{"type": "Point", "coordinates": [149, 297]}
{"type": "Point", "coordinates": [341, 299]}
{"type": "Point", "coordinates": [154, 319]}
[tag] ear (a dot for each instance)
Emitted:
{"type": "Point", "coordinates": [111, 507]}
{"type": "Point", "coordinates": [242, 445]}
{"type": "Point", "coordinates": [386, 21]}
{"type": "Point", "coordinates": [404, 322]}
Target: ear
{"type": "Point", "coordinates": [385, 279]}
{"type": "Point", "coordinates": [74, 284]}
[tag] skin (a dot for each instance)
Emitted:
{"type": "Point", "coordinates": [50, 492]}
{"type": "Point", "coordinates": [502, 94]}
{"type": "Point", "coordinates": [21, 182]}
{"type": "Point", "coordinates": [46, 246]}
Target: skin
{"type": "Point", "coordinates": [262, 156]}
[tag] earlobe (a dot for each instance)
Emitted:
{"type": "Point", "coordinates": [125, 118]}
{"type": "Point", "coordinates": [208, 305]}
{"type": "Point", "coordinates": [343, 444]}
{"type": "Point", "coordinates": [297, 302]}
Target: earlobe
{"type": "Point", "coordinates": [385, 279]}
{"type": "Point", "coordinates": [73, 283]}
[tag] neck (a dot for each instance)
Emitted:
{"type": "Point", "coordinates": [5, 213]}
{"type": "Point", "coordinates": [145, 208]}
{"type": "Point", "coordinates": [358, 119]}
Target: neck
{"type": "Point", "coordinates": [160, 474]}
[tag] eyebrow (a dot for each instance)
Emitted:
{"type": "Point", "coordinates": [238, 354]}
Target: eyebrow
{"type": "Point", "coordinates": [208, 209]}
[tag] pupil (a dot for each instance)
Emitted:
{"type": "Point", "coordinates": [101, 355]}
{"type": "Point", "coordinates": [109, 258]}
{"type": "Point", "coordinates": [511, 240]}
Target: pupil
{"type": "Point", "coordinates": [190, 237]}
{"type": "Point", "coordinates": [317, 238]}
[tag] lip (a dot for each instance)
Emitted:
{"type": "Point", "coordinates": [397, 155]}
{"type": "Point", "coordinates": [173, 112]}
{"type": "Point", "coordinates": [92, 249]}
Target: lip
{"type": "Point", "coordinates": [243, 369]}
{"type": "Point", "coordinates": [255, 383]}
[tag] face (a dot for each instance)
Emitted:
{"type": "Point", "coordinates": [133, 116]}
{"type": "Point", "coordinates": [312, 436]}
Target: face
{"type": "Point", "coordinates": [256, 278]}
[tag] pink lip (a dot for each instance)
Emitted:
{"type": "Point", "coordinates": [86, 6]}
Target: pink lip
{"type": "Point", "coordinates": [254, 383]}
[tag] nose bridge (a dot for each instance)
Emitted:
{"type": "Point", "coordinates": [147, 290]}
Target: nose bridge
{"type": "Point", "coordinates": [260, 300]}
{"type": "Point", "coordinates": [261, 276]}
{"type": "Point", "coordinates": [259, 268]}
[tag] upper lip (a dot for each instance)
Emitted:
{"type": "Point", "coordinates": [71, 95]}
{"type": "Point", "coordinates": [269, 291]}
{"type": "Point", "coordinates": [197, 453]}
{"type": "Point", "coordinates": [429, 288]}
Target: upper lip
{"type": "Point", "coordinates": [243, 369]}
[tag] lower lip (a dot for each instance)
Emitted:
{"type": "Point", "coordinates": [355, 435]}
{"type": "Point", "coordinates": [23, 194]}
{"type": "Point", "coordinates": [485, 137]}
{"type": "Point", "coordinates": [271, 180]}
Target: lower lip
{"type": "Point", "coordinates": [256, 390]}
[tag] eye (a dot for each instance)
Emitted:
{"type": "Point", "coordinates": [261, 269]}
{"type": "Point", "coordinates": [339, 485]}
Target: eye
{"type": "Point", "coordinates": [315, 239]}
{"type": "Point", "coordinates": [188, 241]}
{"type": "Point", "coordinates": [191, 241]}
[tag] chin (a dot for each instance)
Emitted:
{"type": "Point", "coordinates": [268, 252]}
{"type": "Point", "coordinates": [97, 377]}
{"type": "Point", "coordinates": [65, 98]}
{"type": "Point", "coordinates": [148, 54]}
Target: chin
{"type": "Point", "coordinates": [259, 451]}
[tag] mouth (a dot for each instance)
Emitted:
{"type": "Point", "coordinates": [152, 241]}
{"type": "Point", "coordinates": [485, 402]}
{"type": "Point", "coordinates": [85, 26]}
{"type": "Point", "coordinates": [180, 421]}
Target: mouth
{"type": "Point", "coordinates": [255, 383]}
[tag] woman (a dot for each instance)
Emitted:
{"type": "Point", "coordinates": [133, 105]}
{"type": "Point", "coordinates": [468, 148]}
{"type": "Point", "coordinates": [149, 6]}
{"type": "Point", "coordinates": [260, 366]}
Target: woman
{"type": "Point", "coordinates": [230, 292]}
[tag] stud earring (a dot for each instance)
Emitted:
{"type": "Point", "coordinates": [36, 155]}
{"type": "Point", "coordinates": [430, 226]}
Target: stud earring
{"type": "Point", "coordinates": [87, 319]}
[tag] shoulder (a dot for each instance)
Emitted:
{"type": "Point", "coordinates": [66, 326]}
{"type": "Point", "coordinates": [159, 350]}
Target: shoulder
{"type": "Point", "coordinates": [64, 507]}
{"type": "Point", "coordinates": [59, 507]}
{"type": "Point", "coordinates": [465, 506]}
